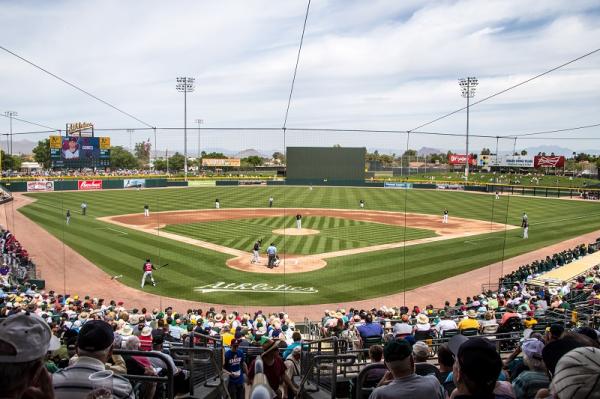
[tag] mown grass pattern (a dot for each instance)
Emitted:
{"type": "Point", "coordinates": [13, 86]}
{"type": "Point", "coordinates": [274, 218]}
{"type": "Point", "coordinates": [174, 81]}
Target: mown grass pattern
{"type": "Point", "coordinates": [334, 233]}
{"type": "Point", "coordinates": [344, 279]}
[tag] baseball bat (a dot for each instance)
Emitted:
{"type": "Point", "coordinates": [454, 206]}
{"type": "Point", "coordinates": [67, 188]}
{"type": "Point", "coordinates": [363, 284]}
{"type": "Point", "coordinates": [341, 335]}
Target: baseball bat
{"type": "Point", "coordinates": [165, 265]}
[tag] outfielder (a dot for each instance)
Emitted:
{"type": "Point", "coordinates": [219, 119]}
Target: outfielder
{"type": "Point", "coordinates": [525, 225]}
{"type": "Point", "coordinates": [497, 195]}
{"type": "Point", "coordinates": [299, 221]}
{"type": "Point", "coordinates": [271, 202]}
{"type": "Point", "coordinates": [361, 203]}
{"type": "Point", "coordinates": [217, 204]}
{"type": "Point", "coordinates": [83, 208]}
{"type": "Point", "coordinates": [445, 218]}
{"type": "Point", "coordinates": [148, 267]}
{"type": "Point", "coordinates": [146, 210]}
{"type": "Point", "coordinates": [68, 216]}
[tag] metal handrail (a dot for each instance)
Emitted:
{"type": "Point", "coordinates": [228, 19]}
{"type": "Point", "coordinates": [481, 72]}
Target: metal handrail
{"type": "Point", "coordinates": [189, 358]}
{"type": "Point", "coordinates": [168, 379]}
{"type": "Point", "coordinates": [347, 361]}
{"type": "Point", "coordinates": [361, 377]}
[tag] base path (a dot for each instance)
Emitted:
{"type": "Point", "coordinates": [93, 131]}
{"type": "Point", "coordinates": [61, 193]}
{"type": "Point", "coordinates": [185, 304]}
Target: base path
{"type": "Point", "coordinates": [66, 271]}
{"type": "Point", "coordinates": [455, 228]}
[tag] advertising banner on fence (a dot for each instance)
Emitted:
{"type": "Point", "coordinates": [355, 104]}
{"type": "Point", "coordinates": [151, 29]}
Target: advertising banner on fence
{"type": "Point", "coordinates": [461, 159]}
{"type": "Point", "coordinates": [219, 163]}
{"type": "Point", "coordinates": [517, 161]}
{"type": "Point", "coordinates": [89, 185]}
{"type": "Point", "coordinates": [552, 161]}
{"type": "Point", "coordinates": [458, 187]}
{"type": "Point", "coordinates": [200, 183]}
{"type": "Point", "coordinates": [397, 185]}
{"type": "Point", "coordinates": [40, 186]}
{"type": "Point", "coordinates": [134, 183]}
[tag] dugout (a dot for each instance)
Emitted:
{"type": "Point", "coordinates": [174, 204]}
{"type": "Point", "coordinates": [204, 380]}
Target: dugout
{"type": "Point", "coordinates": [330, 166]}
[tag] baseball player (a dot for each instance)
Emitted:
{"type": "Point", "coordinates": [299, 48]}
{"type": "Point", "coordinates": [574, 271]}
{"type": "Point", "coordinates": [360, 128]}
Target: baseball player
{"type": "Point", "coordinates": [361, 203]}
{"type": "Point", "coordinates": [255, 252]}
{"type": "Point", "coordinates": [271, 202]}
{"type": "Point", "coordinates": [68, 216]}
{"type": "Point", "coordinates": [497, 195]}
{"type": "Point", "coordinates": [217, 204]}
{"type": "Point", "coordinates": [148, 267]}
{"type": "Point", "coordinates": [299, 221]}
{"type": "Point", "coordinates": [526, 230]}
{"type": "Point", "coordinates": [445, 218]}
{"type": "Point", "coordinates": [83, 208]}
{"type": "Point", "coordinates": [146, 210]}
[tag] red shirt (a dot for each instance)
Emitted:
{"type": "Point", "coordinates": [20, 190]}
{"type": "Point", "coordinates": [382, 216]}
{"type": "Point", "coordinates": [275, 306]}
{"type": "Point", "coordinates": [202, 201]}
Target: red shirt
{"type": "Point", "coordinates": [148, 267]}
{"type": "Point", "coordinates": [274, 372]}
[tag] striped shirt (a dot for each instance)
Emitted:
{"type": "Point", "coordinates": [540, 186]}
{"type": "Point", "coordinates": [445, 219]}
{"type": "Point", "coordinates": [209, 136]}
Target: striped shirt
{"type": "Point", "coordinates": [73, 382]}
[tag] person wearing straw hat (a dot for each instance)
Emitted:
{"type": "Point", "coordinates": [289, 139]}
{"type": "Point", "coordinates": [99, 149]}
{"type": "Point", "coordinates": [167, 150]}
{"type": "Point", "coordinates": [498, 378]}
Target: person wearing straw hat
{"type": "Point", "coordinates": [470, 321]}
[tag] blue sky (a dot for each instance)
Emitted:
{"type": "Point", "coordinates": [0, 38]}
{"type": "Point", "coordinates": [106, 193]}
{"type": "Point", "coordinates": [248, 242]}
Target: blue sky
{"type": "Point", "coordinates": [365, 64]}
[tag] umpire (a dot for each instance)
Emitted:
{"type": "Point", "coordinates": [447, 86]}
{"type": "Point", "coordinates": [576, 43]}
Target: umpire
{"type": "Point", "coordinates": [272, 253]}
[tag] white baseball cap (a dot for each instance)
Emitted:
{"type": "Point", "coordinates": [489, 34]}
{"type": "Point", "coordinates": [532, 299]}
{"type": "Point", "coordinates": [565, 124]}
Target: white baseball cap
{"type": "Point", "coordinates": [29, 335]}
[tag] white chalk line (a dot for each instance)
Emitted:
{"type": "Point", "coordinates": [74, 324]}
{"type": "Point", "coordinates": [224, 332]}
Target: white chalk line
{"type": "Point", "coordinates": [110, 228]}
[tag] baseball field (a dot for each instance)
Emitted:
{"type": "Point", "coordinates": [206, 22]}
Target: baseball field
{"type": "Point", "coordinates": [342, 253]}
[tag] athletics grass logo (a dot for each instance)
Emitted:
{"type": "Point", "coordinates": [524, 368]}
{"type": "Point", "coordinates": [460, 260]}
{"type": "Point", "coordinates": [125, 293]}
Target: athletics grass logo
{"type": "Point", "coordinates": [223, 286]}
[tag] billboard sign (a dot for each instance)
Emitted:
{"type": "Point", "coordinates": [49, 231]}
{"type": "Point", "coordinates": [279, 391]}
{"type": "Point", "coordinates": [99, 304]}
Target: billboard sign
{"type": "Point", "coordinates": [38, 186]}
{"type": "Point", "coordinates": [222, 162]}
{"type": "Point", "coordinates": [545, 161]}
{"type": "Point", "coordinates": [134, 183]}
{"type": "Point", "coordinates": [89, 185]}
{"type": "Point", "coordinates": [516, 161]}
{"type": "Point", "coordinates": [461, 159]}
{"type": "Point", "coordinates": [397, 185]}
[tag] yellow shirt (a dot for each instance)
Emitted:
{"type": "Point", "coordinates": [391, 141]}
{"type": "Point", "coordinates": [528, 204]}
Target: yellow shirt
{"type": "Point", "coordinates": [468, 323]}
{"type": "Point", "coordinates": [529, 323]}
{"type": "Point", "coordinates": [227, 338]}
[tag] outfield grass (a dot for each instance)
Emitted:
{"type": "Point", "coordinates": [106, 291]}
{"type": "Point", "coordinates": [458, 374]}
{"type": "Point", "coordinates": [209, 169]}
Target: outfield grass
{"type": "Point", "coordinates": [344, 279]}
{"type": "Point", "coordinates": [335, 234]}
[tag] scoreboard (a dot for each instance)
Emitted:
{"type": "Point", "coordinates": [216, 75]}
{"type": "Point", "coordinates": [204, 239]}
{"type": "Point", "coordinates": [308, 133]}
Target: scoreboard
{"type": "Point", "coordinates": [74, 152]}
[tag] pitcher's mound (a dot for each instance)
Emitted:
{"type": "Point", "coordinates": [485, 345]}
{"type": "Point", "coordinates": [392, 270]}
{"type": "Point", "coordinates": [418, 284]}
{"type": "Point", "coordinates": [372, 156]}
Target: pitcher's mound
{"type": "Point", "coordinates": [295, 232]}
{"type": "Point", "coordinates": [287, 264]}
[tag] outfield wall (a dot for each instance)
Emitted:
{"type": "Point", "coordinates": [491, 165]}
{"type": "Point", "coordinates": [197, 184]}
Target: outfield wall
{"type": "Point", "coordinates": [83, 185]}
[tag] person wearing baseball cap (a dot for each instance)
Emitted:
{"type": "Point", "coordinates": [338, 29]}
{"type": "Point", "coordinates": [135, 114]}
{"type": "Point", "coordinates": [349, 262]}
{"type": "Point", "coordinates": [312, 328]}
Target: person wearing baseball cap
{"type": "Point", "coordinates": [530, 381]}
{"type": "Point", "coordinates": [94, 348]}
{"type": "Point", "coordinates": [401, 381]}
{"type": "Point", "coordinates": [235, 366]}
{"type": "Point", "coordinates": [25, 339]}
{"type": "Point", "coordinates": [476, 368]}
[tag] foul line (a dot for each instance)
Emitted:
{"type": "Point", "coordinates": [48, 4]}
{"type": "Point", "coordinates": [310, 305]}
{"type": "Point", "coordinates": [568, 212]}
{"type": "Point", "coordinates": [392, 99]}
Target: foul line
{"type": "Point", "coordinates": [110, 228]}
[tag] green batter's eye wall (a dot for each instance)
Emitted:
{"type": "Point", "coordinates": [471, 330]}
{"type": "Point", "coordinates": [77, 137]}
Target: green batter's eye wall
{"type": "Point", "coordinates": [325, 165]}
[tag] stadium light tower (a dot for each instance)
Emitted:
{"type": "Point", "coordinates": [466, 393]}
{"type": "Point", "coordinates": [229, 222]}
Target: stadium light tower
{"type": "Point", "coordinates": [10, 115]}
{"type": "Point", "coordinates": [467, 88]}
{"type": "Point", "coordinates": [199, 122]}
{"type": "Point", "coordinates": [185, 85]}
{"type": "Point", "coordinates": [130, 131]}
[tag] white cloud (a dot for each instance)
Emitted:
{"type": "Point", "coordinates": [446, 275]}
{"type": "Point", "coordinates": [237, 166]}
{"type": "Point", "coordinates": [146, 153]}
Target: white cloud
{"type": "Point", "coordinates": [377, 64]}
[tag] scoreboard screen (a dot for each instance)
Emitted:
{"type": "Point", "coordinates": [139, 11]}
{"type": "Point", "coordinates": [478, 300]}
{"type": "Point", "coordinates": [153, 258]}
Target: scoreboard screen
{"type": "Point", "coordinates": [79, 152]}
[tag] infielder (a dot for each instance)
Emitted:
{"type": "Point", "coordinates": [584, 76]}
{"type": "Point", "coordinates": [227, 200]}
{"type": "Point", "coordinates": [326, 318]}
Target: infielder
{"type": "Point", "coordinates": [255, 252]}
{"type": "Point", "coordinates": [271, 202]}
{"type": "Point", "coordinates": [445, 218]}
{"type": "Point", "coordinates": [217, 204]}
{"type": "Point", "coordinates": [68, 216]}
{"type": "Point", "coordinates": [146, 210]}
{"type": "Point", "coordinates": [148, 267]}
{"type": "Point", "coordinates": [525, 225]}
{"type": "Point", "coordinates": [83, 208]}
{"type": "Point", "coordinates": [361, 203]}
{"type": "Point", "coordinates": [299, 221]}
